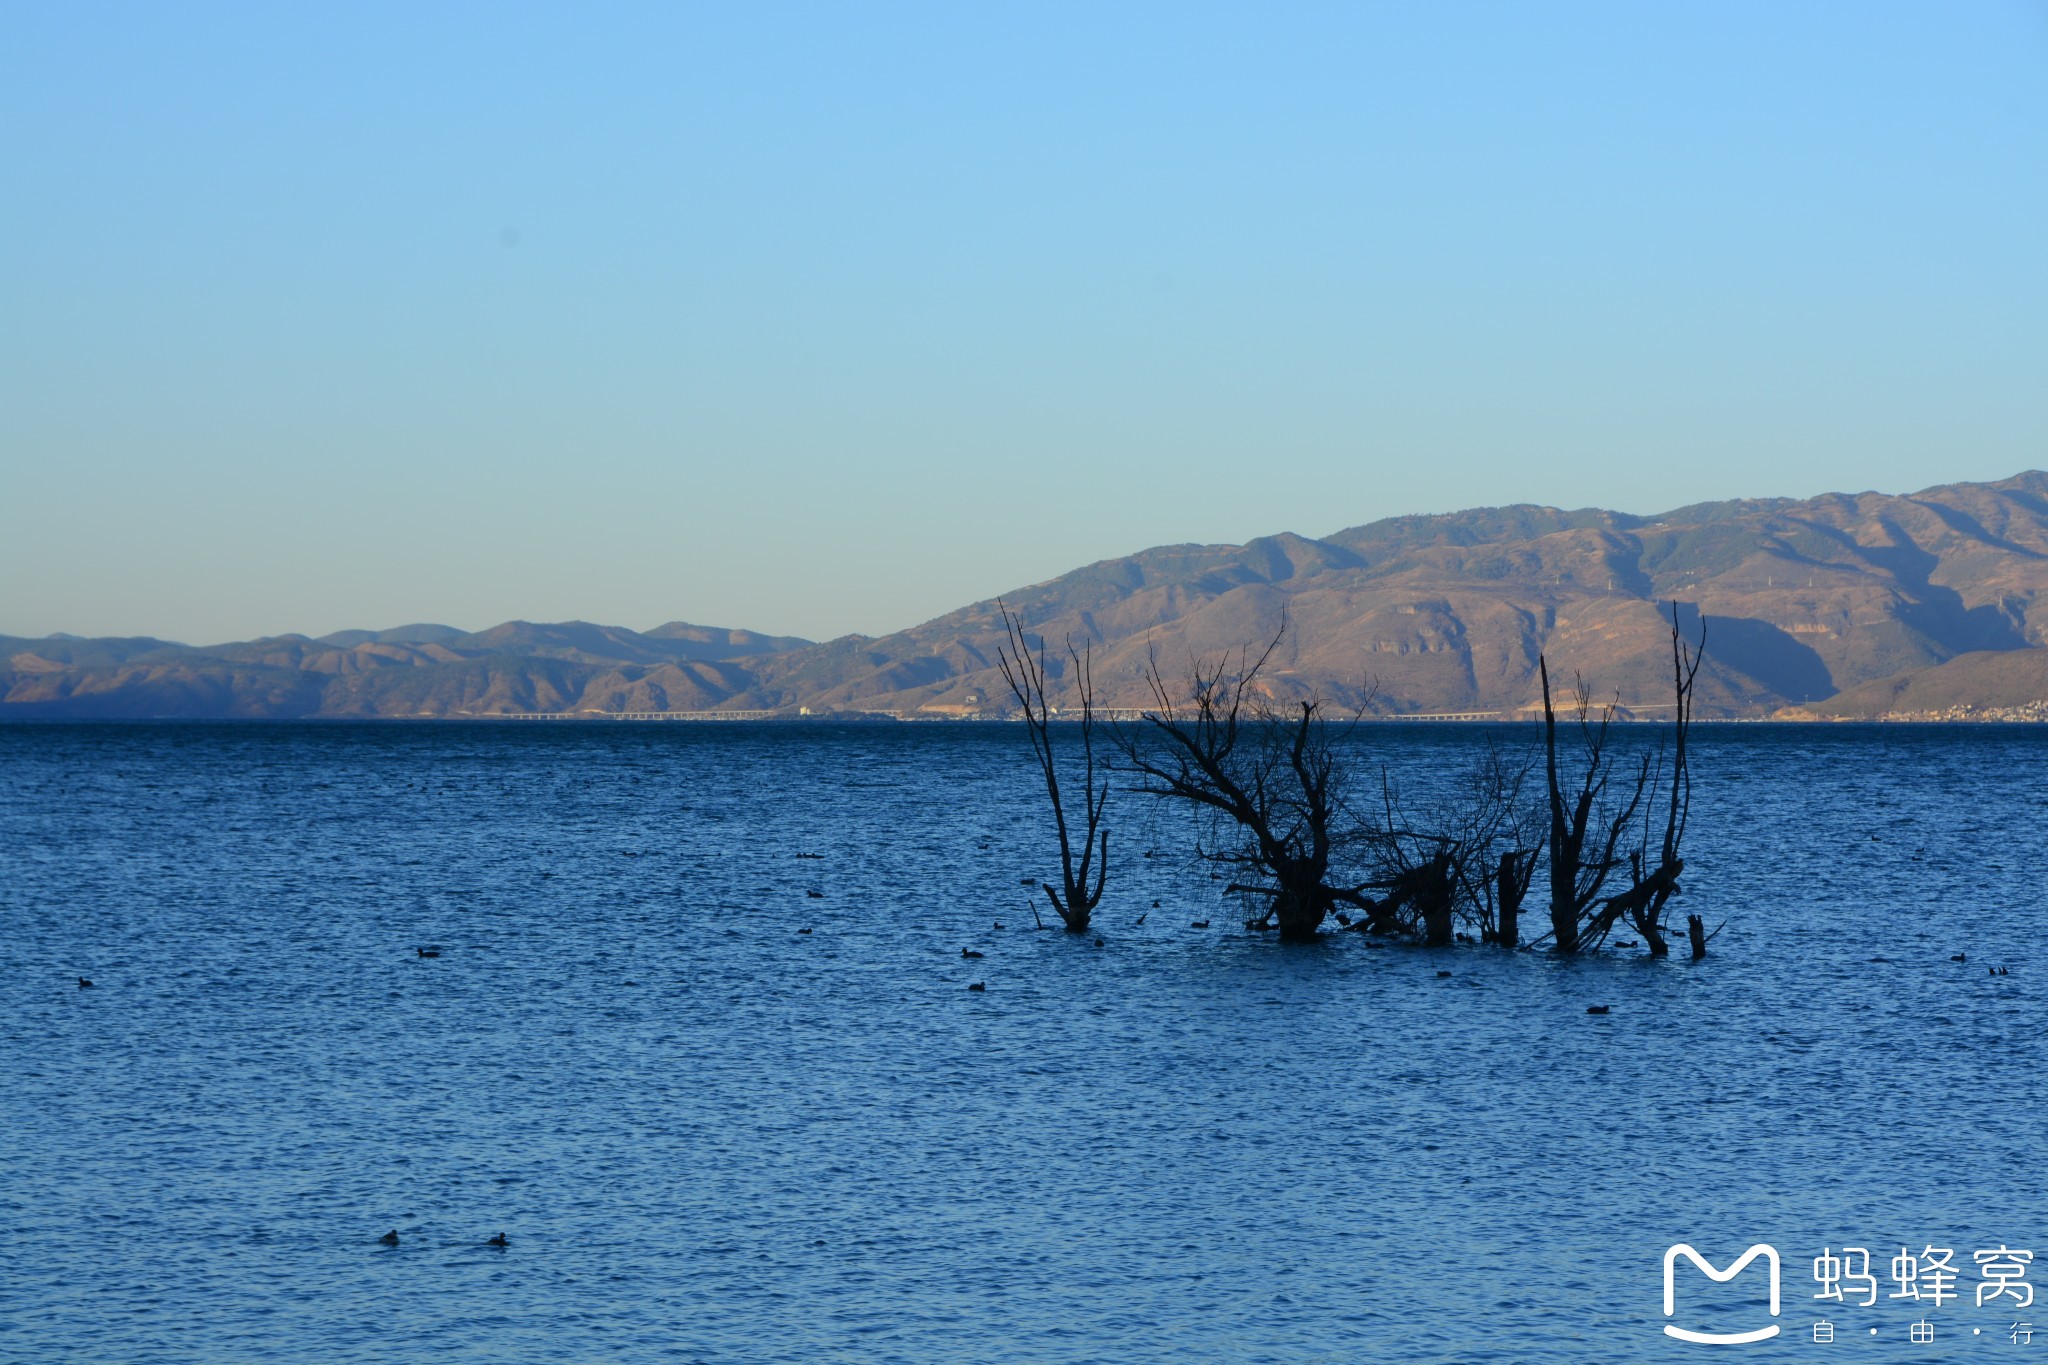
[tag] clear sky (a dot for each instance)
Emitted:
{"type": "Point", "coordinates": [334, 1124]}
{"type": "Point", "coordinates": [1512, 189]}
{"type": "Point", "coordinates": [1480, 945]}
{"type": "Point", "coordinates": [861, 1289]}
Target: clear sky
{"type": "Point", "coordinates": [829, 318]}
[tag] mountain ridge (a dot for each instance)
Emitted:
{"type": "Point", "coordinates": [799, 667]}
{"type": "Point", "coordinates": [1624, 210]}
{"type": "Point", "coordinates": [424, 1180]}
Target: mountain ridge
{"type": "Point", "coordinates": [1845, 604]}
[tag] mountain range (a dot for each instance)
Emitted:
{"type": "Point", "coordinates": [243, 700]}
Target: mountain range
{"type": "Point", "coordinates": [1843, 605]}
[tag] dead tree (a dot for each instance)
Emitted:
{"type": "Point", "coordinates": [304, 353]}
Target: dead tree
{"type": "Point", "coordinates": [1271, 780]}
{"type": "Point", "coordinates": [1025, 672]}
{"type": "Point", "coordinates": [1586, 829]}
{"type": "Point", "coordinates": [1467, 856]}
{"type": "Point", "coordinates": [1503, 845]}
{"type": "Point", "coordinates": [1422, 886]}
{"type": "Point", "coordinates": [1647, 898]}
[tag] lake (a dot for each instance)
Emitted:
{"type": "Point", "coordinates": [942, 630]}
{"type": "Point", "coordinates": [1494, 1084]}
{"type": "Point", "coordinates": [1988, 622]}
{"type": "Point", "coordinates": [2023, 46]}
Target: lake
{"type": "Point", "coordinates": [707, 1136]}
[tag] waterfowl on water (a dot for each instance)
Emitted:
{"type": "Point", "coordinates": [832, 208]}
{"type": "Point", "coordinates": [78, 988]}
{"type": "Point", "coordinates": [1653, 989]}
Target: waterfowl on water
{"type": "Point", "coordinates": [805, 930]}
{"type": "Point", "coordinates": [979, 986]}
{"type": "Point", "coordinates": [1959, 957]}
{"type": "Point", "coordinates": [83, 983]}
{"type": "Point", "coordinates": [428, 952]}
{"type": "Point", "coordinates": [390, 1238]}
{"type": "Point", "coordinates": [999, 924]}
{"type": "Point", "coordinates": [969, 952]}
{"type": "Point", "coordinates": [1199, 924]}
{"type": "Point", "coordinates": [498, 1241]}
{"type": "Point", "coordinates": [1597, 1009]}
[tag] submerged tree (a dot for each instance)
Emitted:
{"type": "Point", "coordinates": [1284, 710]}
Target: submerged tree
{"type": "Point", "coordinates": [1025, 672]}
{"type": "Point", "coordinates": [1269, 777]}
{"type": "Point", "coordinates": [1586, 833]}
{"type": "Point", "coordinates": [1273, 784]}
{"type": "Point", "coordinates": [1498, 844]}
{"type": "Point", "coordinates": [1586, 830]}
{"type": "Point", "coordinates": [1466, 856]}
{"type": "Point", "coordinates": [1652, 885]}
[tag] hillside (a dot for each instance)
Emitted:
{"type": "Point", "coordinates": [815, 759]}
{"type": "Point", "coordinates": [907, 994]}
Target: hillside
{"type": "Point", "coordinates": [1845, 604]}
{"type": "Point", "coordinates": [409, 671]}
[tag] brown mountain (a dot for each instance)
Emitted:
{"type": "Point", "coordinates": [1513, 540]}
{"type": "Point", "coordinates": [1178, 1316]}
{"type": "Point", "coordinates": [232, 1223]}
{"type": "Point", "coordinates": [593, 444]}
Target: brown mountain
{"type": "Point", "coordinates": [1843, 604]}
{"type": "Point", "coordinates": [1449, 613]}
{"type": "Point", "coordinates": [411, 671]}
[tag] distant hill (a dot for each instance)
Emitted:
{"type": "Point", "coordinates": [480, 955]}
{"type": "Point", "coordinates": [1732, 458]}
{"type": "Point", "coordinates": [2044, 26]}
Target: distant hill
{"type": "Point", "coordinates": [398, 635]}
{"type": "Point", "coordinates": [1845, 604]}
{"type": "Point", "coordinates": [2013, 680]}
{"type": "Point", "coordinates": [420, 670]}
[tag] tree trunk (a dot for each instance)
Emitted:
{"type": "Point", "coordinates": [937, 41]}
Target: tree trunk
{"type": "Point", "coordinates": [1510, 884]}
{"type": "Point", "coordinates": [1299, 913]}
{"type": "Point", "coordinates": [1435, 898]}
{"type": "Point", "coordinates": [1436, 926]}
{"type": "Point", "coordinates": [1076, 921]}
{"type": "Point", "coordinates": [1696, 929]}
{"type": "Point", "coordinates": [1564, 925]}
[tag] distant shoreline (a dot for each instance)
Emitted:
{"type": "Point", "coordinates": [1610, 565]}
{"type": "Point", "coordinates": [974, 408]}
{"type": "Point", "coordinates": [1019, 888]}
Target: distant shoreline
{"type": "Point", "coordinates": [781, 719]}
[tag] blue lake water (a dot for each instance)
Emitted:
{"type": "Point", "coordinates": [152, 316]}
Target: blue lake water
{"type": "Point", "coordinates": [708, 1136]}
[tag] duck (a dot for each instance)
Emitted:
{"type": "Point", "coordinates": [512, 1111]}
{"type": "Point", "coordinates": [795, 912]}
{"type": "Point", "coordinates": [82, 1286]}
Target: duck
{"type": "Point", "coordinates": [1199, 924]}
{"type": "Point", "coordinates": [1598, 1009]}
{"type": "Point", "coordinates": [1959, 957]}
{"type": "Point", "coordinates": [1441, 975]}
{"type": "Point", "coordinates": [1098, 943]}
{"type": "Point", "coordinates": [999, 924]}
{"type": "Point", "coordinates": [428, 952]}
{"type": "Point", "coordinates": [805, 930]}
{"type": "Point", "coordinates": [389, 1239]}
{"type": "Point", "coordinates": [84, 984]}
{"type": "Point", "coordinates": [978, 986]}
{"type": "Point", "coordinates": [498, 1241]}
{"type": "Point", "coordinates": [815, 894]}
{"type": "Point", "coordinates": [969, 952]}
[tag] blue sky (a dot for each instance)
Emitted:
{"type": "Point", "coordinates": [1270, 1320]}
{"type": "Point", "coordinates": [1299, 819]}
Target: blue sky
{"type": "Point", "coordinates": [817, 319]}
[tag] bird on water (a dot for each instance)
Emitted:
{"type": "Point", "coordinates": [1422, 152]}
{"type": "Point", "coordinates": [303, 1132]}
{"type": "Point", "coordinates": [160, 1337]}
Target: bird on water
{"type": "Point", "coordinates": [390, 1238]}
{"type": "Point", "coordinates": [498, 1241]}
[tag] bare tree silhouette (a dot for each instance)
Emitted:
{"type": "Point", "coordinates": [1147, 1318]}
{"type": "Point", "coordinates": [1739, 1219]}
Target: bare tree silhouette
{"type": "Point", "coordinates": [1652, 885]}
{"type": "Point", "coordinates": [1025, 672]}
{"type": "Point", "coordinates": [1465, 856]}
{"type": "Point", "coordinates": [1273, 783]}
{"type": "Point", "coordinates": [1586, 830]}
{"type": "Point", "coordinates": [1270, 777]}
{"type": "Point", "coordinates": [1499, 843]}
